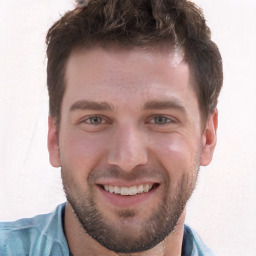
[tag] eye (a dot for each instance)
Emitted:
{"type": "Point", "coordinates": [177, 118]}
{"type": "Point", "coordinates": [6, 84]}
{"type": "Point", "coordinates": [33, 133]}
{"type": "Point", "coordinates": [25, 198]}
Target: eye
{"type": "Point", "coordinates": [161, 120]}
{"type": "Point", "coordinates": [163, 123]}
{"type": "Point", "coordinates": [94, 123]}
{"type": "Point", "coordinates": [95, 120]}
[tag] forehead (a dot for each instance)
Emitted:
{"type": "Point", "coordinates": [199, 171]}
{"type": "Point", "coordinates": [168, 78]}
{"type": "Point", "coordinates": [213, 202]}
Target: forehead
{"type": "Point", "coordinates": [166, 54]}
{"type": "Point", "coordinates": [131, 73]}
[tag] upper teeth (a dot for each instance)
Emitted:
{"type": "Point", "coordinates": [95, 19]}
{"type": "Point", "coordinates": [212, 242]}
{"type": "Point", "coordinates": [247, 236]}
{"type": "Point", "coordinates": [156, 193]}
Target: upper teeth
{"type": "Point", "coordinates": [125, 191]}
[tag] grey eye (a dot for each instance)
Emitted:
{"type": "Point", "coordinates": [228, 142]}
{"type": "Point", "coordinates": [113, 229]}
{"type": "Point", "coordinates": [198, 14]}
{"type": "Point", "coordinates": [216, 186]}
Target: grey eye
{"type": "Point", "coordinates": [161, 120]}
{"type": "Point", "coordinates": [95, 120]}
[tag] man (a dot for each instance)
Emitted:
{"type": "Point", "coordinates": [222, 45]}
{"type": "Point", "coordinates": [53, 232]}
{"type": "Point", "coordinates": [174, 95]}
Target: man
{"type": "Point", "coordinates": [133, 88]}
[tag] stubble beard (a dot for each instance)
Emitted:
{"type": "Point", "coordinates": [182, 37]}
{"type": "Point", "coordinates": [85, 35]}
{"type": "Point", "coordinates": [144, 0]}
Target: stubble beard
{"type": "Point", "coordinates": [152, 230]}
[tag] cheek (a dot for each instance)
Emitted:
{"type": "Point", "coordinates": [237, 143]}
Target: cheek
{"type": "Point", "coordinates": [177, 154]}
{"type": "Point", "coordinates": [80, 152]}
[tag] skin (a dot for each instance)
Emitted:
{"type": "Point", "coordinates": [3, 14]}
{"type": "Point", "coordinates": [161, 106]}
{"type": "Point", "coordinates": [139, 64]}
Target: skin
{"type": "Point", "coordinates": [129, 136]}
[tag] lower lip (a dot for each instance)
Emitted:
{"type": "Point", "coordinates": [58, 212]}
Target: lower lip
{"type": "Point", "coordinates": [127, 201]}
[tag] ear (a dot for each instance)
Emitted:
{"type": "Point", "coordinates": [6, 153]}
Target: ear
{"type": "Point", "coordinates": [53, 142]}
{"type": "Point", "coordinates": [209, 138]}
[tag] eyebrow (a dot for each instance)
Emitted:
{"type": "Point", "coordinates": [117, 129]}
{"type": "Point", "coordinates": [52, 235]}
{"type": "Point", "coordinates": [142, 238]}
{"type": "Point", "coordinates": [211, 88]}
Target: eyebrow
{"type": "Point", "coordinates": [104, 106]}
{"type": "Point", "coordinates": [91, 105]}
{"type": "Point", "coordinates": [166, 104]}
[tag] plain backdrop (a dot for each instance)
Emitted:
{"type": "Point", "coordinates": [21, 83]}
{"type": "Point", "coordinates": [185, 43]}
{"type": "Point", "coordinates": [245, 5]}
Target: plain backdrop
{"type": "Point", "coordinates": [222, 209]}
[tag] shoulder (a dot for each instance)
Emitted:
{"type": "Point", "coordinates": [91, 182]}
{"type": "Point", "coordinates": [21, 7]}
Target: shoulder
{"type": "Point", "coordinates": [40, 235]}
{"type": "Point", "coordinates": [193, 244]}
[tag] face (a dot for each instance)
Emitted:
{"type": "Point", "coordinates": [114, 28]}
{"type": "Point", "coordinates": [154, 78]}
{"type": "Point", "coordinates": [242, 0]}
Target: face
{"type": "Point", "coordinates": [130, 143]}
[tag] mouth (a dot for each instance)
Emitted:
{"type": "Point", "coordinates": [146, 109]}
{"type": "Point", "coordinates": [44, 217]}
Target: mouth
{"type": "Point", "coordinates": [128, 195]}
{"type": "Point", "coordinates": [129, 191]}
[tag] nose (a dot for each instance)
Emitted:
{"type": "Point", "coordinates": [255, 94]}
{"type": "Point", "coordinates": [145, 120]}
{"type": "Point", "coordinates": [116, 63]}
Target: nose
{"type": "Point", "coordinates": [127, 148]}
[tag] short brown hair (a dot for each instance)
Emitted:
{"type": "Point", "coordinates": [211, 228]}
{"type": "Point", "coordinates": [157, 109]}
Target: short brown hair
{"type": "Point", "coordinates": [136, 23]}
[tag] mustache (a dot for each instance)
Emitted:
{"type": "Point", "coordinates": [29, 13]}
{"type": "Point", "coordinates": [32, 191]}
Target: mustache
{"type": "Point", "coordinates": [138, 173]}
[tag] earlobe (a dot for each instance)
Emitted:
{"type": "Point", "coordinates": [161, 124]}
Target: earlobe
{"type": "Point", "coordinates": [53, 143]}
{"type": "Point", "coordinates": [209, 138]}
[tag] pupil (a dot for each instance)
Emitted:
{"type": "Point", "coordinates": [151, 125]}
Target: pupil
{"type": "Point", "coordinates": [95, 119]}
{"type": "Point", "coordinates": [160, 119]}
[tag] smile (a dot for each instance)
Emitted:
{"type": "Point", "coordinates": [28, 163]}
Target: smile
{"type": "Point", "coordinates": [128, 191]}
{"type": "Point", "coordinates": [128, 195]}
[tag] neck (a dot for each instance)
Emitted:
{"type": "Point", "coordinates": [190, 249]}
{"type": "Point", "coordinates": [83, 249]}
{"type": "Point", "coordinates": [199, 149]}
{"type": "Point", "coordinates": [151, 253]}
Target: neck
{"type": "Point", "coordinates": [80, 243]}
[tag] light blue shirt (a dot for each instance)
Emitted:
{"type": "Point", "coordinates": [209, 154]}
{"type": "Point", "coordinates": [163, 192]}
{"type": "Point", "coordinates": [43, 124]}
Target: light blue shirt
{"type": "Point", "coordinates": [43, 235]}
